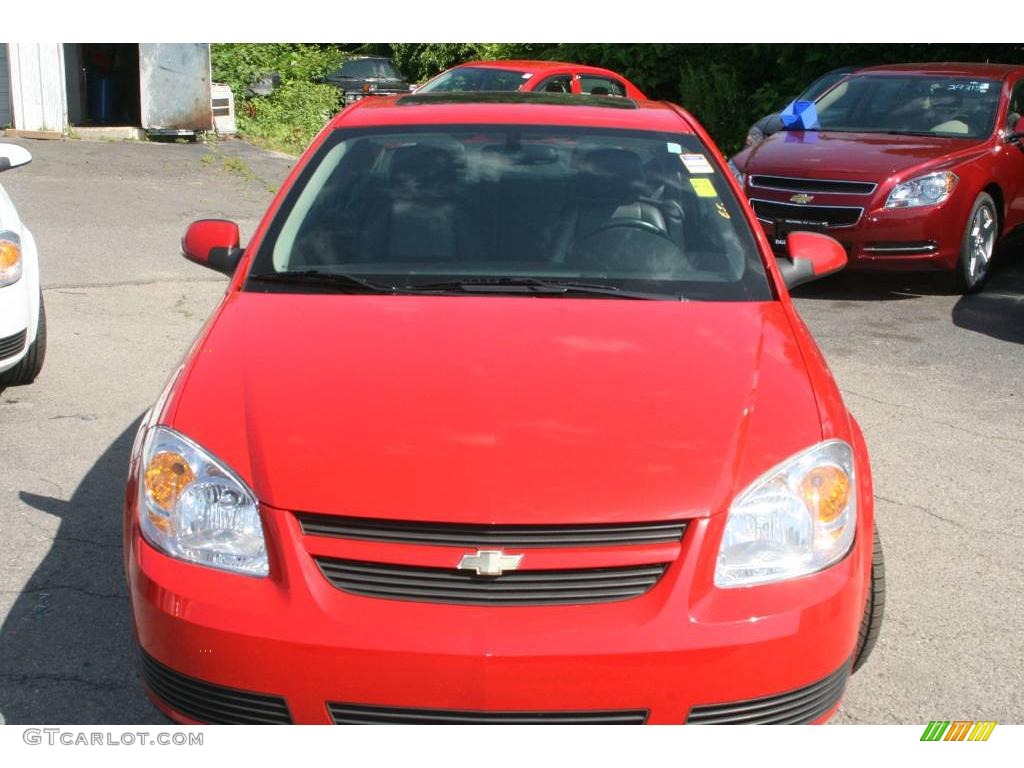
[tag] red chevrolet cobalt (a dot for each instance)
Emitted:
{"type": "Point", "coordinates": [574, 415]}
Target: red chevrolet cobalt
{"type": "Point", "coordinates": [506, 417]}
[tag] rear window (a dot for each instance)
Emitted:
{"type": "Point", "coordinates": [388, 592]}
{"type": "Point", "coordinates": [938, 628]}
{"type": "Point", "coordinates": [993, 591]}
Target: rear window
{"type": "Point", "coordinates": [366, 68]}
{"type": "Point", "coordinates": [477, 79]}
{"type": "Point", "coordinates": [408, 206]}
{"type": "Point", "coordinates": [601, 86]}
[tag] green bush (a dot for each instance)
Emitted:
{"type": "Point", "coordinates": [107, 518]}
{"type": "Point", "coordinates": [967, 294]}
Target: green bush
{"type": "Point", "coordinates": [288, 119]}
{"type": "Point", "coordinates": [292, 115]}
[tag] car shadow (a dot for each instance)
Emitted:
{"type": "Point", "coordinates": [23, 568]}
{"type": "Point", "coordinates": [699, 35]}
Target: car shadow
{"type": "Point", "coordinates": [998, 309]}
{"type": "Point", "coordinates": [874, 286]}
{"type": "Point", "coordinates": [67, 651]}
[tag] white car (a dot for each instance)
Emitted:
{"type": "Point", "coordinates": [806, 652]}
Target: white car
{"type": "Point", "coordinates": [22, 318]}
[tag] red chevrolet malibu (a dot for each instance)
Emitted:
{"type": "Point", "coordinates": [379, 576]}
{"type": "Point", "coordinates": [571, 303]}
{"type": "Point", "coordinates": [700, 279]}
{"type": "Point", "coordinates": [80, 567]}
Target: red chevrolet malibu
{"type": "Point", "coordinates": [910, 167]}
{"type": "Point", "coordinates": [506, 416]}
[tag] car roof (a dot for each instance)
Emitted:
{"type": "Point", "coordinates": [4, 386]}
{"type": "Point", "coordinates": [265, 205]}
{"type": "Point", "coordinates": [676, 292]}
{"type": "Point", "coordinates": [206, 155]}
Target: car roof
{"type": "Point", "coordinates": [991, 71]}
{"type": "Point", "coordinates": [534, 66]}
{"type": "Point", "coordinates": [514, 108]}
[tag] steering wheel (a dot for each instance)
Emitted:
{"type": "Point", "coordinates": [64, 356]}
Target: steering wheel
{"type": "Point", "coordinates": [582, 256]}
{"type": "Point", "coordinates": [640, 224]}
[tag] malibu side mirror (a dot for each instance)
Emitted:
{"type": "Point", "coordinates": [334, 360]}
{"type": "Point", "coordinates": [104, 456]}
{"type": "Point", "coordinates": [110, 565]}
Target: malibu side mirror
{"type": "Point", "coordinates": [12, 155]}
{"type": "Point", "coordinates": [811, 255]}
{"type": "Point", "coordinates": [1017, 132]}
{"type": "Point", "coordinates": [214, 243]}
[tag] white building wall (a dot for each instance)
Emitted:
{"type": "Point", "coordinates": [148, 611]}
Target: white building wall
{"type": "Point", "coordinates": [38, 92]}
{"type": "Point", "coordinates": [5, 88]}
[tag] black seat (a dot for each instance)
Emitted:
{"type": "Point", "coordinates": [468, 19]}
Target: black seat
{"type": "Point", "coordinates": [423, 218]}
{"type": "Point", "coordinates": [609, 187]}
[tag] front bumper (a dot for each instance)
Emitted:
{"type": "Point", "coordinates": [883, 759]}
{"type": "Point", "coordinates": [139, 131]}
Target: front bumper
{"type": "Point", "coordinates": [886, 239]}
{"type": "Point", "coordinates": [15, 313]}
{"type": "Point", "coordinates": [672, 654]}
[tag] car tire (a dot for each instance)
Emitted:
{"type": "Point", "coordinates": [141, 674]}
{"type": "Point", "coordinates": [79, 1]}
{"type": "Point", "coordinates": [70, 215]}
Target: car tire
{"type": "Point", "coordinates": [874, 608]}
{"type": "Point", "coordinates": [977, 245]}
{"type": "Point", "coordinates": [31, 364]}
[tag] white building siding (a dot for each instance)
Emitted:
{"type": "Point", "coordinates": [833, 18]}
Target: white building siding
{"type": "Point", "coordinates": [5, 88]}
{"type": "Point", "coordinates": [38, 93]}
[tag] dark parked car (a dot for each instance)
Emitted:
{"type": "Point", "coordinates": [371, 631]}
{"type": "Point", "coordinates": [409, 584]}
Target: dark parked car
{"type": "Point", "coordinates": [368, 76]}
{"type": "Point", "coordinates": [772, 123]}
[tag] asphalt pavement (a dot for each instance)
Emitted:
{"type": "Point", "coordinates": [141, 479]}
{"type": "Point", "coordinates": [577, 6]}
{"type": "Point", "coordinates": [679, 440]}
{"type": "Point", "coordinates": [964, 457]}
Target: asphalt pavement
{"type": "Point", "coordinates": [934, 379]}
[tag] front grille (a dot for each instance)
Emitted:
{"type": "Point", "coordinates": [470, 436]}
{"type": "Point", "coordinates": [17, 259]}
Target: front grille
{"type": "Point", "coordinates": [451, 585]}
{"type": "Point", "coordinates": [823, 215]}
{"type": "Point", "coordinates": [804, 705]}
{"type": "Point", "coordinates": [208, 703]}
{"type": "Point", "coordinates": [12, 345]}
{"type": "Point", "coordinates": [824, 186]}
{"type": "Point", "coordinates": [457, 535]}
{"type": "Point", "coordinates": [358, 714]}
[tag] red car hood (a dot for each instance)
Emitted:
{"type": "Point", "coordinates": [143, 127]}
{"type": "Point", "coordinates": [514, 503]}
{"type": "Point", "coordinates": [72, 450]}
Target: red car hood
{"type": "Point", "coordinates": [497, 409]}
{"type": "Point", "coordinates": [855, 156]}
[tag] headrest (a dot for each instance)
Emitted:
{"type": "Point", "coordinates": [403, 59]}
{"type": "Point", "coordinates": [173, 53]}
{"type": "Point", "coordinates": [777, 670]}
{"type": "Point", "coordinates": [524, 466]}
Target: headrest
{"type": "Point", "coordinates": [615, 175]}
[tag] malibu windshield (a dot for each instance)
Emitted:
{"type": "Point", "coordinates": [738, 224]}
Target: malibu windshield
{"type": "Point", "coordinates": [954, 107]}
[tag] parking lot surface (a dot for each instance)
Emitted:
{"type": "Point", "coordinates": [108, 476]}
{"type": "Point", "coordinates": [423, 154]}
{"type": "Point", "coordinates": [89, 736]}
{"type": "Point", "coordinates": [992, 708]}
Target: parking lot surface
{"type": "Point", "coordinates": [934, 379]}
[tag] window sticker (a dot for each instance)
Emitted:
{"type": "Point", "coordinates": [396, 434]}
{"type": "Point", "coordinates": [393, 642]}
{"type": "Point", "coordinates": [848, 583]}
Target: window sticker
{"type": "Point", "coordinates": [696, 163]}
{"type": "Point", "coordinates": [720, 208]}
{"type": "Point", "coordinates": [673, 148]}
{"type": "Point", "coordinates": [703, 187]}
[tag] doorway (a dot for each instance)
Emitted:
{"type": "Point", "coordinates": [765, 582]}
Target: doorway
{"type": "Point", "coordinates": [102, 84]}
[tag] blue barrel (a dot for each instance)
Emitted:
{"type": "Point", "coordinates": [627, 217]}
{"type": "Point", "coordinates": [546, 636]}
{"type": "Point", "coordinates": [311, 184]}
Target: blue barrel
{"type": "Point", "coordinates": [101, 99]}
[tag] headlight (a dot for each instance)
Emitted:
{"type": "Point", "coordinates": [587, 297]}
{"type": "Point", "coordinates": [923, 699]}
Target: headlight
{"type": "Point", "coordinates": [794, 520]}
{"type": "Point", "coordinates": [931, 189]}
{"type": "Point", "coordinates": [740, 176]}
{"type": "Point", "coordinates": [10, 258]}
{"type": "Point", "coordinates": [754, 136]}
{"type": "Point", "coordinates": [193, 507]}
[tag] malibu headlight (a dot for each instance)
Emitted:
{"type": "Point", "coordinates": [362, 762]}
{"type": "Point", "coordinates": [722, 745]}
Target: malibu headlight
{"type": "Point", "coordinates": [796, 519]}
{"type": "Point", "coordinates": [930, 189]}
{"type": "Point", "coordinates": [193, 507]}
{"type": "Point", "coordinates": [10, 258]}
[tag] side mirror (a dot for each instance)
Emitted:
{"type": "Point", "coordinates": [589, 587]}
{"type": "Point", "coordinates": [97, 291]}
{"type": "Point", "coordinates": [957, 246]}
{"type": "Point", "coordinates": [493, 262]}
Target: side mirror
{"type": "Point", "coordinates": [214, 243]}
{"type": "Point", "coordinates": [811, 255]}
{"type": "Point", "coordinates": [1017, 132]}
{"type": "Point", "coordinates": [11, 156]}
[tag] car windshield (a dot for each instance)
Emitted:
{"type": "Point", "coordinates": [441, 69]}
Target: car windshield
{"type": "Point", "coordinates": [513, 207]}
{"type": "Point", "coordinates": [477, 79]}
{"type": "Point", "coordinates": [366, 68]}
{"type": "Point", "coordinates": [954, 107]}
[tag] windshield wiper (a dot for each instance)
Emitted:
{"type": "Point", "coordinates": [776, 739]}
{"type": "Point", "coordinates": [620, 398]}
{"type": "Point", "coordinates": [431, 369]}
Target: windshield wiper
{"type": "Point", "coordinates": [534, 285]}
{"type": "Point", "coordinates": [338, 281]}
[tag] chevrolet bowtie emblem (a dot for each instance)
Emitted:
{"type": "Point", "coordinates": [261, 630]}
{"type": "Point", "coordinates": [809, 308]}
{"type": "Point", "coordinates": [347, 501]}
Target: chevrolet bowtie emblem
{"type": "Point", "coordinates": [489, 562]}
{"type": "Point", "coordinates": [801, 198]}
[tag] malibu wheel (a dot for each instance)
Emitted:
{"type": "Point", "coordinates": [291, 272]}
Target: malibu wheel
{"type": "Point", "coordinates": [874, 609]}
{"type": "Point", "coordinates": [31, 364]}
{"type": "Point", "coordinates": [977, 245]}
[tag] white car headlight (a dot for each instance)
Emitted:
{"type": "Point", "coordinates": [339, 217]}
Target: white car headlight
{"type": "Point", "coordinates": [930, 189]}
{"type": "Point", "coordinates": [10, 258]}
{"type": "Point", "coordinates": [193, 507]}
{"type": "Point", "coordinates": [741, 177]}
{"type": "Point", "coordinates": [796, 519]}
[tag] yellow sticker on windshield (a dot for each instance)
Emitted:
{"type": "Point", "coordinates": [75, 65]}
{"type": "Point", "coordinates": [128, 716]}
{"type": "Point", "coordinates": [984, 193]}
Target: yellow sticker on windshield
{"type": "Point", "coordinates": [703, 187]}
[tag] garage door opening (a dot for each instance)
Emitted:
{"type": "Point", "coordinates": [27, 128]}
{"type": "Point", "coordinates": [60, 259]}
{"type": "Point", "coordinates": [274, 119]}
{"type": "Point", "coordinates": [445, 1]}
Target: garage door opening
{"type": "Point", "coordinates": [103, 84]}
